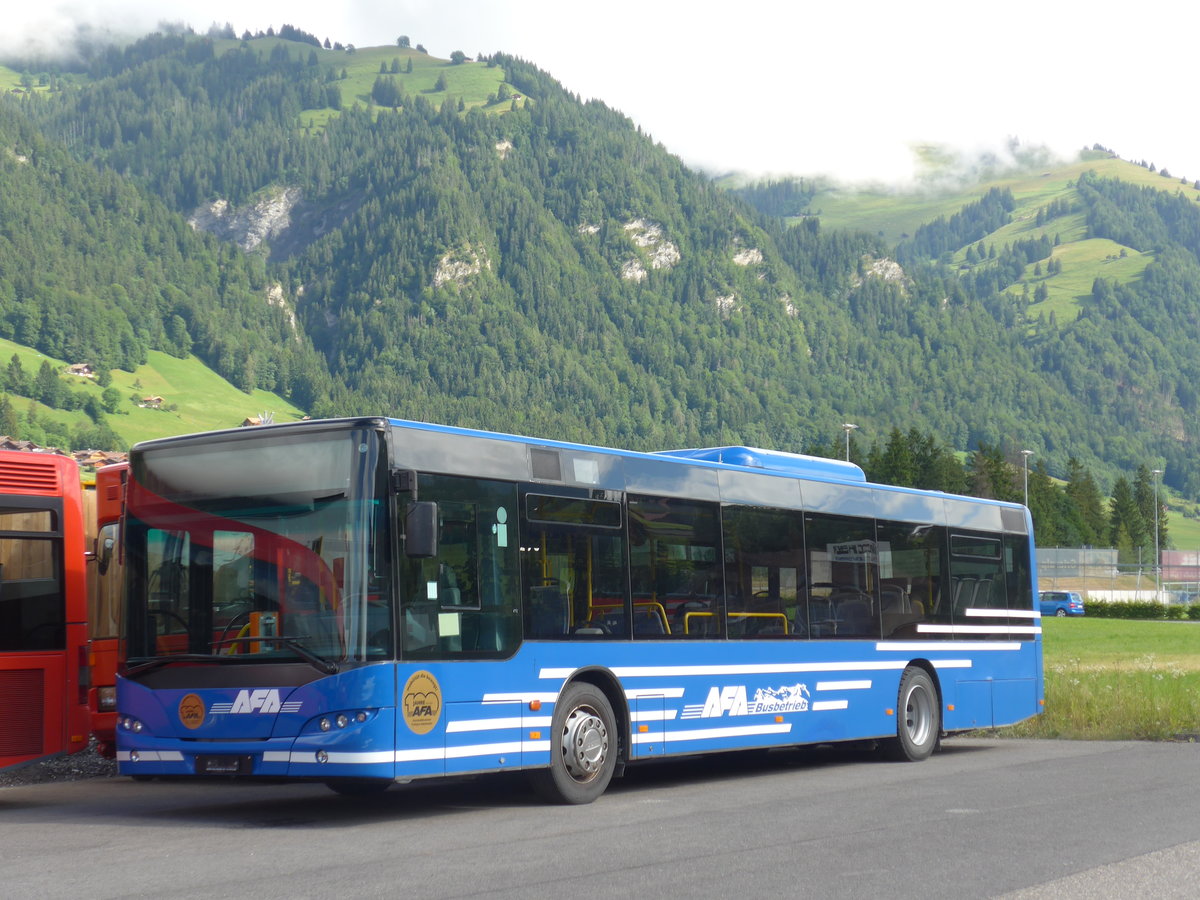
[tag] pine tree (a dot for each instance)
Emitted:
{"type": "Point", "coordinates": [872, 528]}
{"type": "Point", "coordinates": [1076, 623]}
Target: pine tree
{"type": "Point", "coordinates": [1127, 530]}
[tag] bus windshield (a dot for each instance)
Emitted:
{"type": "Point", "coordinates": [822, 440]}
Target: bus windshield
{"type": "Point", "coordinates": [251, 550]}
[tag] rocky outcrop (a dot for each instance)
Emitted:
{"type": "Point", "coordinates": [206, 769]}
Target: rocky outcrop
{"type": "Point", "coordinates": [250, 225]}
{"type": "Point", "coordinates": [458, 266]}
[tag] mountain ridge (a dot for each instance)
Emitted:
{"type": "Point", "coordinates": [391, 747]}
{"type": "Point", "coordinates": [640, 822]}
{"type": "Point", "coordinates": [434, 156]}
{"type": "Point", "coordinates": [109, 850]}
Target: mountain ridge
{"type": "Point", "coordinates": [544, 267]}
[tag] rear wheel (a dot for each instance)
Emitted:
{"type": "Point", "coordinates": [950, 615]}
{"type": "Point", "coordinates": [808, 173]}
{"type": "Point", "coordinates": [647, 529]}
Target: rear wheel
{"type": "Point", "coordinates": [1060, 612]}
{"type": "Point", "coordinates": [583, 747]}
{"type": "Point", "coordinates": [918, 717]}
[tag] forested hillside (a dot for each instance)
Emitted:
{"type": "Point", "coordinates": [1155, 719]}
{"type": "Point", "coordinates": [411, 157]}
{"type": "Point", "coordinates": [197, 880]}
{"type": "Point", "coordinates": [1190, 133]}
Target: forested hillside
{"type": "Point", "coordinates": [481, 248]}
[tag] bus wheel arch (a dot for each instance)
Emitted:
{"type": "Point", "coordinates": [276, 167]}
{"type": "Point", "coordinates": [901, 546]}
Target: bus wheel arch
{"type": "Point", "coordinates": [588, 734]}
{"type": "Point", "coordinates": [918, 714]}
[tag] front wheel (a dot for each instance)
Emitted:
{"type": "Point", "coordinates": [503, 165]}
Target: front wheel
{"type": "Point", "coordinates": [918, 717]}
{"type": "Point", "coordinates": [583, 747]}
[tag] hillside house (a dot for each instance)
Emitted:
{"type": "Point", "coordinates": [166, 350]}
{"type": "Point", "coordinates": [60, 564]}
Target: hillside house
{"type": "Point", "coordinates": [153, 402]}
{"type": "Point", "coordinates": [81, 370]}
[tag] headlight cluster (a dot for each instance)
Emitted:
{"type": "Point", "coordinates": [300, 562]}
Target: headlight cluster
{"type": "Point", "coordinates": [341, 720]}
{"type": "Point", "coordinates": [130, 724]}
{"type": "Point", "coordinates": [106, 698]}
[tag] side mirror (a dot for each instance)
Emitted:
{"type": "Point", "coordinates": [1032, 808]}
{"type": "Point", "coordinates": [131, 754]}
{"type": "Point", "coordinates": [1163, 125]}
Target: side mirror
{"type": "Point", "coordinates": [104, 553]}
{"type": "Point", "coordinates": [421, 530]}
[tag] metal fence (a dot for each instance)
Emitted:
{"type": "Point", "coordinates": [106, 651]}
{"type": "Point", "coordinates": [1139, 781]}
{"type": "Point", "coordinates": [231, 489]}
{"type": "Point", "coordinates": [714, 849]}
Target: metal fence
{"type": "Point", "coordinates": [1098, 575]}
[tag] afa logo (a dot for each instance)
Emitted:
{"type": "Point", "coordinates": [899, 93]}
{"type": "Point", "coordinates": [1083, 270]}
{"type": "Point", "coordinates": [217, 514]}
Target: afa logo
{"type": "Point", "coordinates": [261, 700]}
{"type": "Point", "coordinates": [265, 700]}
{"type": "Point", "coordinates": [422, 702]}
{"type": "Point", "coordinates": [191, 711]}
{"type": "Point", "coordinates": [731, 700]}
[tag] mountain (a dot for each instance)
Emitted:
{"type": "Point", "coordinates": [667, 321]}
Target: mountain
{"type": "Point", "coordinates": [465, 241]}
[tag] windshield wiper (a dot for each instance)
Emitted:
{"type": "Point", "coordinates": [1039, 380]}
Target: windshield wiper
{"type": "Point", "coordinates": [320, 663]}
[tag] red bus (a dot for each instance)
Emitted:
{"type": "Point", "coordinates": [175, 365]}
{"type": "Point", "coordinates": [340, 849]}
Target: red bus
{"type": "Point", "coordinates": [104, 603]}
{"type": "Point", "coordinates": [43, 609]}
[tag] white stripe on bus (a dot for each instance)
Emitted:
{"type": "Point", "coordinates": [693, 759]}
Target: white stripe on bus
{"type": "Point", "coordinates": [151, 756]}
{"type": "Point", "coordinates": [1009, 613]}
{"type": "Point", "coordinates": [463, 725]}
{"type": "Point", "coordinates": [653, 715]}
{"type": "Point", "coordinates": [822, 705]}
{"type": "Point", "coordinates": [640, 693]}
{"type": "Point", "coordinates": [843, 685]}
{"type": "Point", "coordinates": [704, 734]}
{"type": "Point", "coordinates": [979, 629]}
{"type": "Point", "coordinates": [736, 669]}
{"type": "Point", "coordinates": [519, 698]}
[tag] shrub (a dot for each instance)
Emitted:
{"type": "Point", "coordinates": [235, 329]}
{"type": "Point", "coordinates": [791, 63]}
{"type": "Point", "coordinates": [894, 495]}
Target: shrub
{"type": "Point", "coordinates": [1132, 609]}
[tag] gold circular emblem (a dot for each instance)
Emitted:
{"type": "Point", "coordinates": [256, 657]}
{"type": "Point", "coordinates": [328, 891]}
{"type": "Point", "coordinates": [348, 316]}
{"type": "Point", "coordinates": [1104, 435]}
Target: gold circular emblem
{"type": "Point", "coordinates": [422, 702]}
{"type": "Point", "coordinates": [191, 711]}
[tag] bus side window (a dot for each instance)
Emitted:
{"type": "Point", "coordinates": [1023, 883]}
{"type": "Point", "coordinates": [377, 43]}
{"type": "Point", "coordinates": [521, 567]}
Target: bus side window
{"type": "Point", "coordinates": [573, 567]}
{"type": "Point", "coordinates": [910, 568]}
{"type": "Point", "coordinates": [462, 602]}
{"type": "Point", "coordinates": [843, 562]}
{"type": "Point", "coordinates": [765, 575]}
{"type": "Point", "coordinates": [676, 569]}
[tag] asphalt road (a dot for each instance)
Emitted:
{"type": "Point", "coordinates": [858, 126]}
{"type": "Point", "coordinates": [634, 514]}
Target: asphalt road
{"type": "Point", "coordinates": [982, 818]}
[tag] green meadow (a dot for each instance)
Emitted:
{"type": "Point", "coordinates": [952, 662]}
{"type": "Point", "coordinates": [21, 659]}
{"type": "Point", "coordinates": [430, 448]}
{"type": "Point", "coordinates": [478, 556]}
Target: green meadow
{"type": "Point", "coordinates": [1117, 679]}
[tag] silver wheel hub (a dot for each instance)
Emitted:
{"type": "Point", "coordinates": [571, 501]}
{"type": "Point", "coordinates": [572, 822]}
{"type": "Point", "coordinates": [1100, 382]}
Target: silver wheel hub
{"type": "Point", "coordinates": [585, 744]}
{"type": "Point", "coordinates": [918, 715]}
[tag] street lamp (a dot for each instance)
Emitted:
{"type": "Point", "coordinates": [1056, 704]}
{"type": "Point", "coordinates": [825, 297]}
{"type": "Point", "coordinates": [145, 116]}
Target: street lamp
{"type": "Point", "coordinates": [1027, 454]}
{"type": "Point", "coordinates": [848, 427]}
{"type": "Point", "coordinates": [1157, 566]}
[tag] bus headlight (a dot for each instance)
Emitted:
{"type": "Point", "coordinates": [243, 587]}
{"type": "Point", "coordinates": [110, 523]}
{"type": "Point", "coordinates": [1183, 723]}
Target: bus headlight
{"type": "Point", "coordinates": [338, 721]}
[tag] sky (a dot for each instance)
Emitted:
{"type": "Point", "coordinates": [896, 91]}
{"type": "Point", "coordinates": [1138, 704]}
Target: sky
{"type": "Point", "coordinates": [841, 88]}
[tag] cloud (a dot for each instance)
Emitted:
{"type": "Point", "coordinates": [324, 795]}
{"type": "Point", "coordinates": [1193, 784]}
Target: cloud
{"type": "Point", "coordinates": [844, 89]}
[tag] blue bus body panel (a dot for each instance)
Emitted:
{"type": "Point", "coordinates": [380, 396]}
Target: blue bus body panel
{"type": "Point", "coordinates": [485, 716]}
{"type": "Point", "coordinates": [796, 464]}
{"type": "Point", "coordinates": [278, 727]}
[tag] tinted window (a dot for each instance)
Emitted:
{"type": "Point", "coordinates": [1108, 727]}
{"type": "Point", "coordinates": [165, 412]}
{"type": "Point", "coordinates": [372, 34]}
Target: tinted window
{"type": "Point", "coordinates": [462, 602]}
{"type": "Point", "coordinates": [843, 568]}
{"type": "Point", "coordinates": [765, 574]}
{"type": "Point", "coordinates": [675, 563]}
{"type": "Point", "coordinates": [32, 605]}
{"type": "Point", "coordinates": [573, 568]}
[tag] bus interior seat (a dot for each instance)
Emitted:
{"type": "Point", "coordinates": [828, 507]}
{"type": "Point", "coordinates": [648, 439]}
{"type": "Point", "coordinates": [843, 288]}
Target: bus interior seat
{"type": "Point", "coordinates": [646, 620]}
{"type": "Point", "coordinates": [613, 621]}
{"type": "Point", "coordinates": [893, 599]}
{"type": "Point", "coordinates": [854, 616]}
{"type": "Point", "coordinates": [548, 611]}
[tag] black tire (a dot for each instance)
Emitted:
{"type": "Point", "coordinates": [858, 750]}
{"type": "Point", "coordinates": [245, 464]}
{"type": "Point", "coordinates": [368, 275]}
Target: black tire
{"type": "Point", "coordinates": [918, 718]}
{"type": "Point", "coordinates": [583, 747]}
{"type": "Point", "coordinates": [1060, 612]}
{"type": "Point", "coordinates": [359, 787]}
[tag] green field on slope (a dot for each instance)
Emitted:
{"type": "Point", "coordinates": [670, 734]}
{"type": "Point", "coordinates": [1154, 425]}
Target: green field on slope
{"type": "Point", "coordinates": [194, 398]}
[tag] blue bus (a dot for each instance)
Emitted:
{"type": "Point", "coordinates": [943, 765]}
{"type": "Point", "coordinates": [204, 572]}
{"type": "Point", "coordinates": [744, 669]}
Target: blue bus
{"type": "Point", "coordinates": [368, 601]}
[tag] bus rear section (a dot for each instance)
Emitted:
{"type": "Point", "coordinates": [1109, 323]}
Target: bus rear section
{"type": "Point", "coordinates": [43, 609]}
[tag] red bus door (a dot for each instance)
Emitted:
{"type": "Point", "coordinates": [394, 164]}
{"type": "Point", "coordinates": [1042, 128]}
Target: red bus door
{"type": "Point", "coordinates": [104, 603]}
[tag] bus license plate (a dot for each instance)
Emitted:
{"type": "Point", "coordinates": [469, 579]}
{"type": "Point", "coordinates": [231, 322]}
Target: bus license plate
{"type": "Point", "coordinates": [224, 765]}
